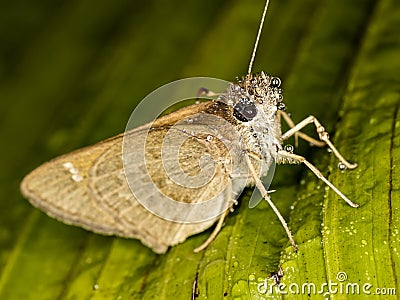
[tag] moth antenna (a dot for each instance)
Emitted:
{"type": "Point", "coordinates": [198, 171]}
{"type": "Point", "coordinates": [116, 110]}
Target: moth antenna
{"type": "Point", "coordinates": [258, 38]}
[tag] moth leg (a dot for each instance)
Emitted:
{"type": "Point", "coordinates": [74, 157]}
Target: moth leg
{"type": "Point", "coordinates": [220, 223]}
{"type": "Point", "coordinates": [291, 158]}
{"type": "Point", "coordinates": [266, 196]}
{"type": "Point", "coordinates": [299, 134]}
{"type": "Point", "coordinates": [214, 234]}
{"type": "Point", "coordinates": [323, 136]}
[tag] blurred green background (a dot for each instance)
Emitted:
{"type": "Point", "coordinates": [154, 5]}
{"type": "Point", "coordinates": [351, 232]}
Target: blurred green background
{"type": "Point", "coordinates": [71, 72]}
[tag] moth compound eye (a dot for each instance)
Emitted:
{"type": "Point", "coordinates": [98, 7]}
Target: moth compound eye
{"type": "Point", "coordinates": [244, 110]}
{"type": "Point", "coordinates": [275, 82]}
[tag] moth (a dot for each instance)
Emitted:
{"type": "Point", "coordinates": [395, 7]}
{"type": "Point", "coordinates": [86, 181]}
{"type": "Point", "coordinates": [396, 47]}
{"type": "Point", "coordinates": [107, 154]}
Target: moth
{"type": "Point", "coordinates": [148, 182]}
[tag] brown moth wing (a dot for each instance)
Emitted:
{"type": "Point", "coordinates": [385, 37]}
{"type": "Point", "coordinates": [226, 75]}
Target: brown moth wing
{"type": "Point", "coordinates": [51, 188]}
{"type": "Point", "coordinates": [101, 200]}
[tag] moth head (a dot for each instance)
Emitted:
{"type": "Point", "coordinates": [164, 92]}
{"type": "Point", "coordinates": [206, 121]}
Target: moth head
{"type": "Point", "coordinates": [253, 93]}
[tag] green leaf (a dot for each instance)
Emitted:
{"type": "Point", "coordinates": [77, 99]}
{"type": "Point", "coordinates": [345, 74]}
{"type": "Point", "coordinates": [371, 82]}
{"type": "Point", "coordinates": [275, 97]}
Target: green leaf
{"type": "Point", "coordinates": [70, 75]}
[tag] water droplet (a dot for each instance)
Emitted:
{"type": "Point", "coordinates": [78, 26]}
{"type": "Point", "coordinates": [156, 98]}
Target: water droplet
{"type": "Point", "coordinates": [275, 82]}
{"type": "Point", "coordinates": [289, 148]}
{"type": "Point", "coordinates": [342, 166]}
{"type": "Point", "coordinates": [209, 138]}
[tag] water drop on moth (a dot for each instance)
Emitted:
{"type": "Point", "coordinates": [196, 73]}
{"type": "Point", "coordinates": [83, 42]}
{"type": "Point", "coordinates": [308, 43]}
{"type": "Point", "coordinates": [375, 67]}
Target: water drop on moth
{"type": "Point", "coordinates": [89, 187]}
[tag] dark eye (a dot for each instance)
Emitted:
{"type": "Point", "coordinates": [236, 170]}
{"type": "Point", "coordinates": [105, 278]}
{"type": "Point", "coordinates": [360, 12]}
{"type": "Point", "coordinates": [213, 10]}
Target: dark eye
{"type": "Point", "coordinates": [275, 82]}
{"type": "Point", "coordinates": [244, 110]}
